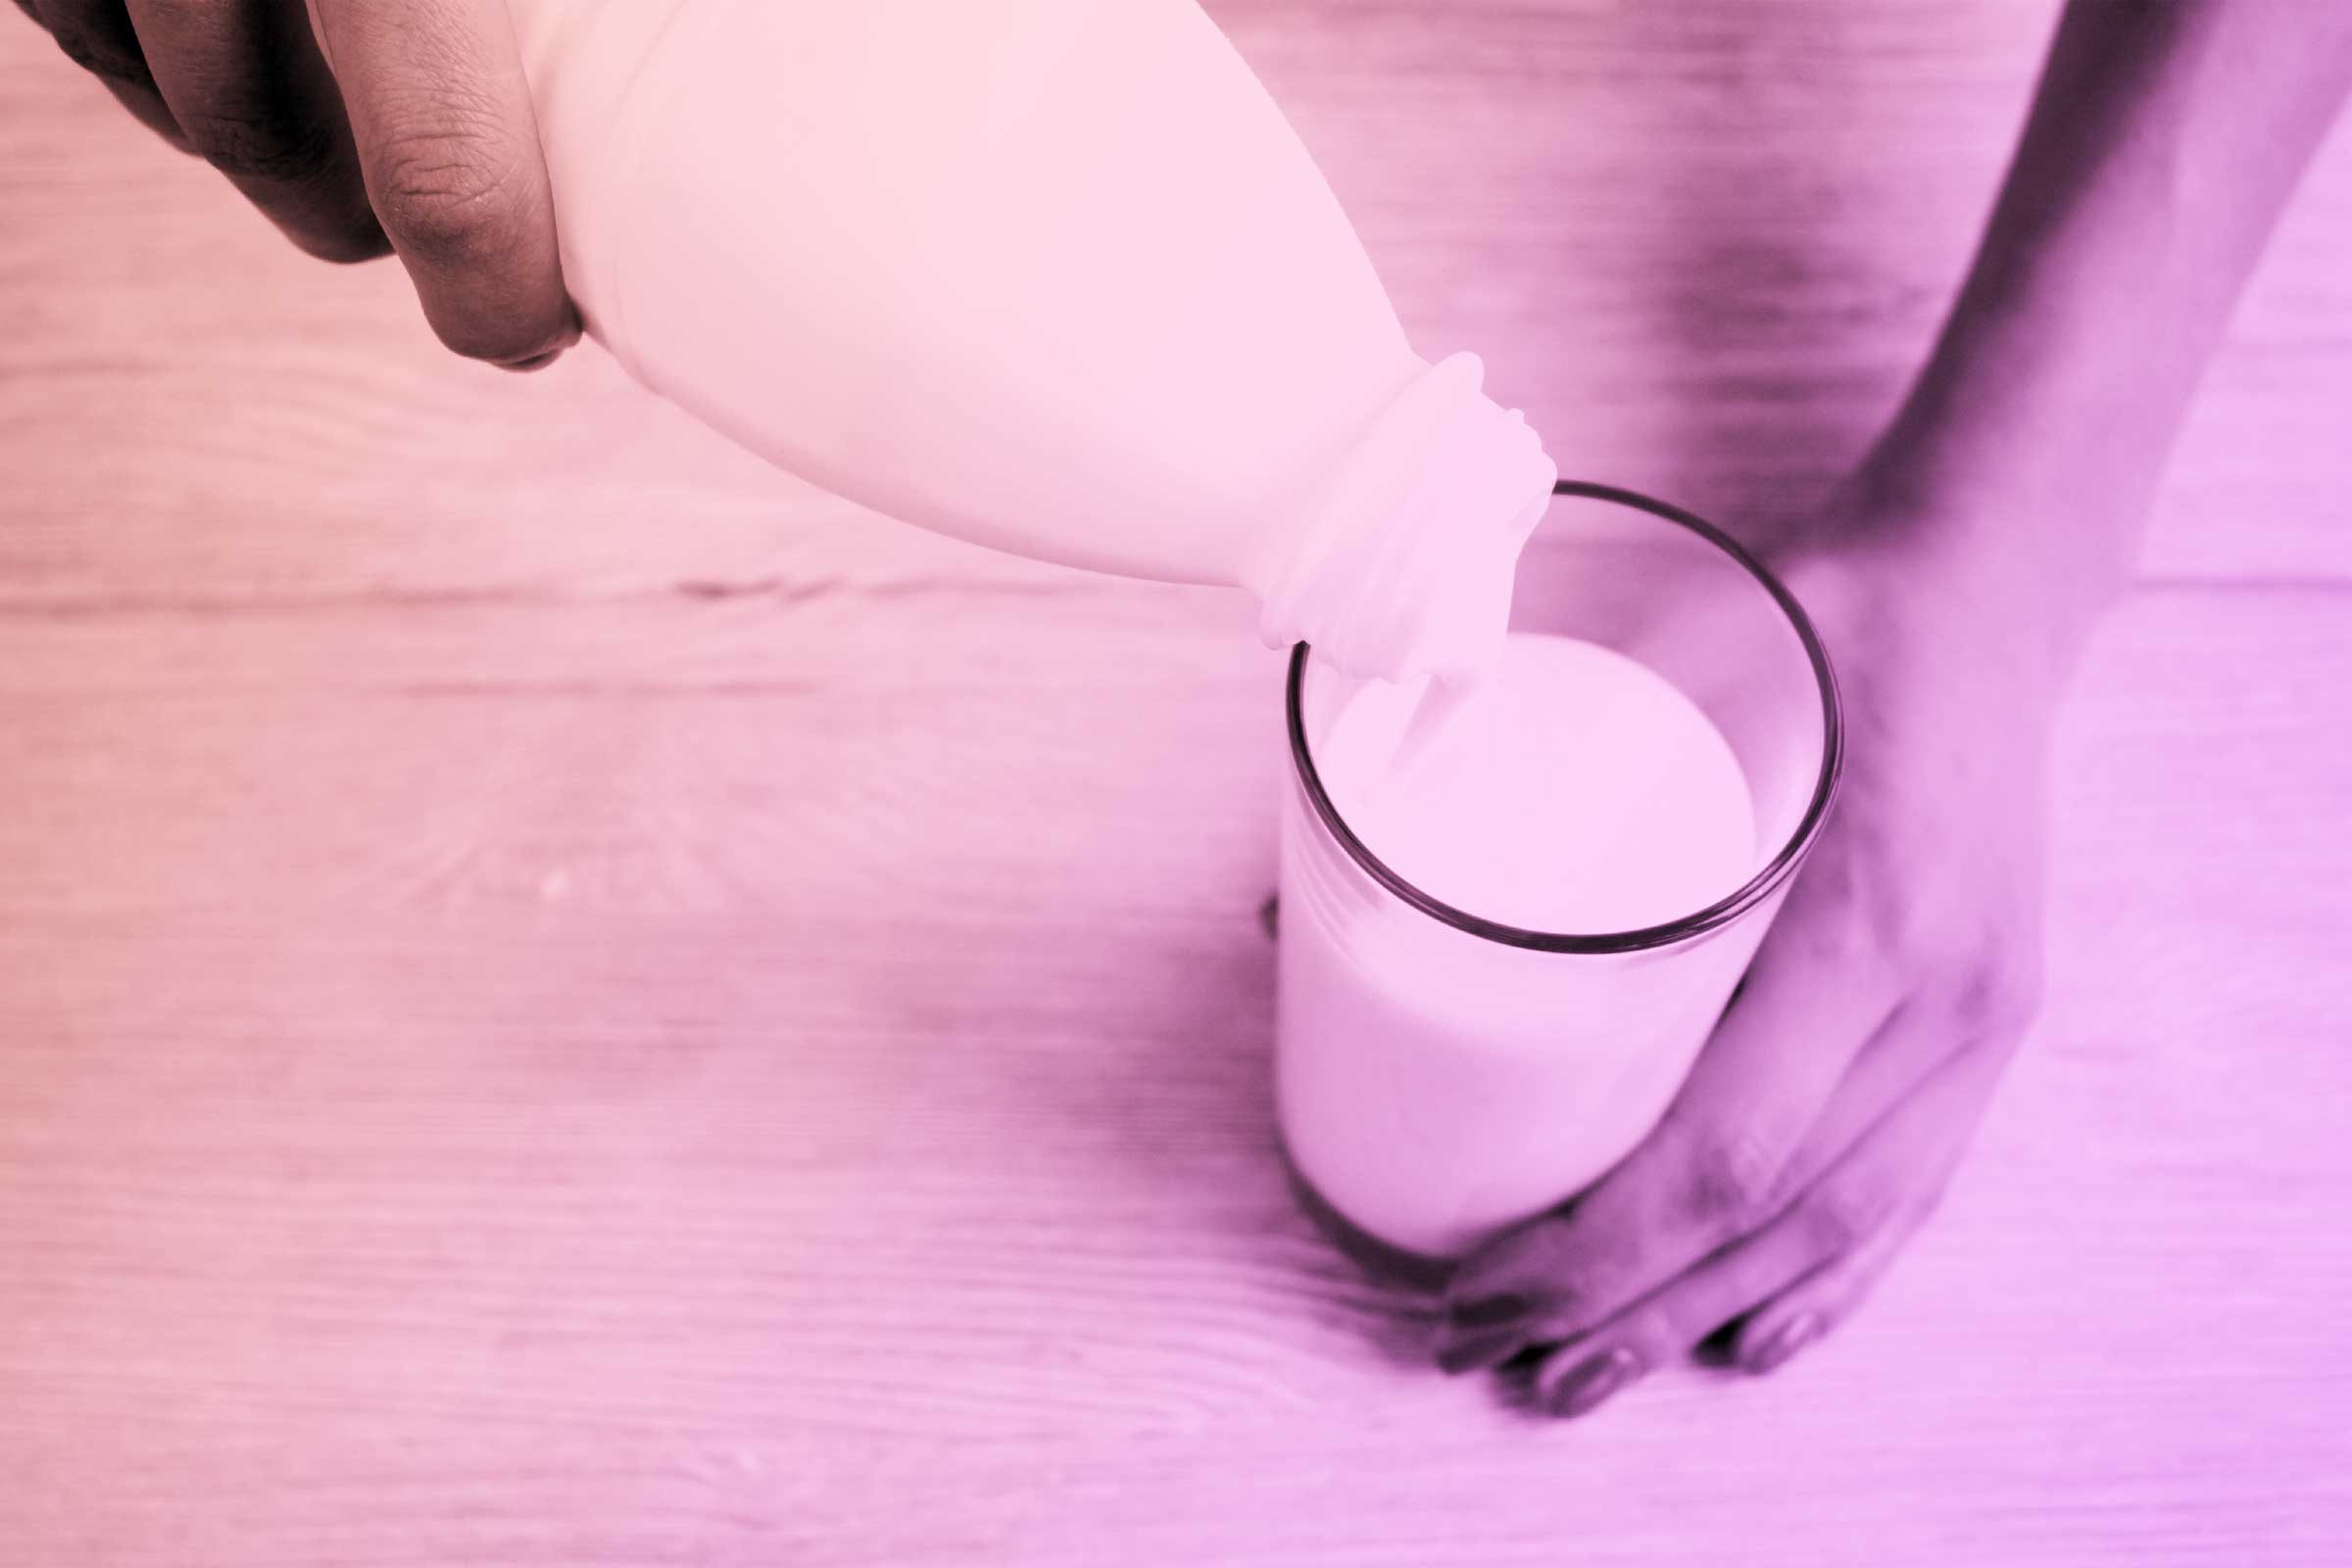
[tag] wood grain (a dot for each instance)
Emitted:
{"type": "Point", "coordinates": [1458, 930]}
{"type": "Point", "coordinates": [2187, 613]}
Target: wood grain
{"type": "Point", "coordinates": [564, 999]}
{"type": "Point", "coordinates": [627, 1083]}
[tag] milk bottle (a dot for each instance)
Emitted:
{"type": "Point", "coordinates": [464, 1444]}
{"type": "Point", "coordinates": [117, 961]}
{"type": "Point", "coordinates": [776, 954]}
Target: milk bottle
{"type": "Point", "coordinates": [1055, 276]}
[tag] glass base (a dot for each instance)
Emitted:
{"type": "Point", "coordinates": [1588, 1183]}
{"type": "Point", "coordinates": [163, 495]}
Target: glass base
{"type": "Point", "coordinates": [1381, 1261]}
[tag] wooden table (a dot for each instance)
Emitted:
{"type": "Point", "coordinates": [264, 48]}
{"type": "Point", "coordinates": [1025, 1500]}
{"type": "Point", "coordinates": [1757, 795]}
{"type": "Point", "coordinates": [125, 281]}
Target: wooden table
{"type": "Point", "coordinates": [566, 1000]}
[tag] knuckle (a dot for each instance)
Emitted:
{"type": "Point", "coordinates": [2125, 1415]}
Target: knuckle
{"type": "Point", "coordinates": [1841, 1217]}
{"type": "Point", "coordinates": [1729, 1180]}
{"type": "Point", "coordinates": [464, 212]}
{"type": "Point", "coordinates": [2000, 996]}
{"type": "Point", "coordinates": [275, 143]}
{"type": "Point", "coordinates": [1831, 1227]}
{"type": "Point", "coordinates": [1908, 935]}
{"type": "Point", "coordinates": [103, 58]}
{"type": "Point", "coordinates": [447, 197]}
{"type": "Point", "coordinates": [1871, 938]}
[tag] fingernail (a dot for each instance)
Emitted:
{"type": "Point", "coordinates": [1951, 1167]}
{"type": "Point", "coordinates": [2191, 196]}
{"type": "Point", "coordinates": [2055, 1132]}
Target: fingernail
{"type": "Point", "coordinates": [1793, 1335]}
{"type": "Point", "coordinates": [1591, 1382]}
{"type": "Point", "coordinates": [1481, 1350]}
{"type": "Point", "coordinates": [537, 361]}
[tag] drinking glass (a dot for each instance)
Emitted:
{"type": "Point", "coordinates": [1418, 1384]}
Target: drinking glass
{"type": "Point", "coordinates": [1441, 1077]}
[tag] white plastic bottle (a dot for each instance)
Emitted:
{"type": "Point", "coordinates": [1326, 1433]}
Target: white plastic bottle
{"type": "Point", "coordinates": [1055, 276]}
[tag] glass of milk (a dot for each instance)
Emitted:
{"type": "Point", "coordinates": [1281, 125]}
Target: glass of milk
{"type": "Point", "coordinates": [1502, 948]}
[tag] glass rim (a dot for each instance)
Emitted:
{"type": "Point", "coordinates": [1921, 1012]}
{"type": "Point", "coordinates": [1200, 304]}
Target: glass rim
{"type": "Point", "coordinates": [1713, 916]}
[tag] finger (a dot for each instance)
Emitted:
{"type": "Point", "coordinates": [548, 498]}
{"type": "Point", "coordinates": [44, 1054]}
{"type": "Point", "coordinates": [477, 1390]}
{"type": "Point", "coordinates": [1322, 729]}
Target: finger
{"type": "Point", "coordinates": [449, 147]}
{"type": "Point", "coordinates": [1712, 1168]}
{"type": "Point", "coordinates": [1901, 1056]}
{"type": "Point", "coordinates": [1660, 1329]}
{"type": "Point", "coordinates": [1771, 1336]}
{"type": "Point", "coordinates": [1983, 1015]}
{"type": "Point", "coordinates": [97, 35]}
{"type": "Point", "coordinates": [1907, 1050]}
{"type": "Point", "coordinates": [249, 91]}
{"type": "Point", "coordinates": [1918, 1146]}
{"type": "Point", "coordinates": [1811, 1263]}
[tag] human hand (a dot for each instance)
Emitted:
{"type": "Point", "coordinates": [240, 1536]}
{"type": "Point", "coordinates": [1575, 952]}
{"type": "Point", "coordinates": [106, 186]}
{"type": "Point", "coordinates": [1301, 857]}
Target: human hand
{"type": "Point", "coordinates": [420, 139]}
{"type": "Point", "coordinates": [1821, 1122]}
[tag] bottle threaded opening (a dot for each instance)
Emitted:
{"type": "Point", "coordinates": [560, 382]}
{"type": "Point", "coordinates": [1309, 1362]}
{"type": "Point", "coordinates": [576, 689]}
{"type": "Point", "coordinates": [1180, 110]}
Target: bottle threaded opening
{"type": "Point", "coordinates": [1404, 567]}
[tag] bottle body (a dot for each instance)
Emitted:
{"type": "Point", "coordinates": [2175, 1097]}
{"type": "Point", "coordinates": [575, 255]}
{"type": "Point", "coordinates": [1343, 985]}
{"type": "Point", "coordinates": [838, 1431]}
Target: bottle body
{"type": "Point", "coordinates": [1053, 276]}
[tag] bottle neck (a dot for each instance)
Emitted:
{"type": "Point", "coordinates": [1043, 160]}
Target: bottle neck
{"type": "Point", "coordinates": [1404, 566]}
